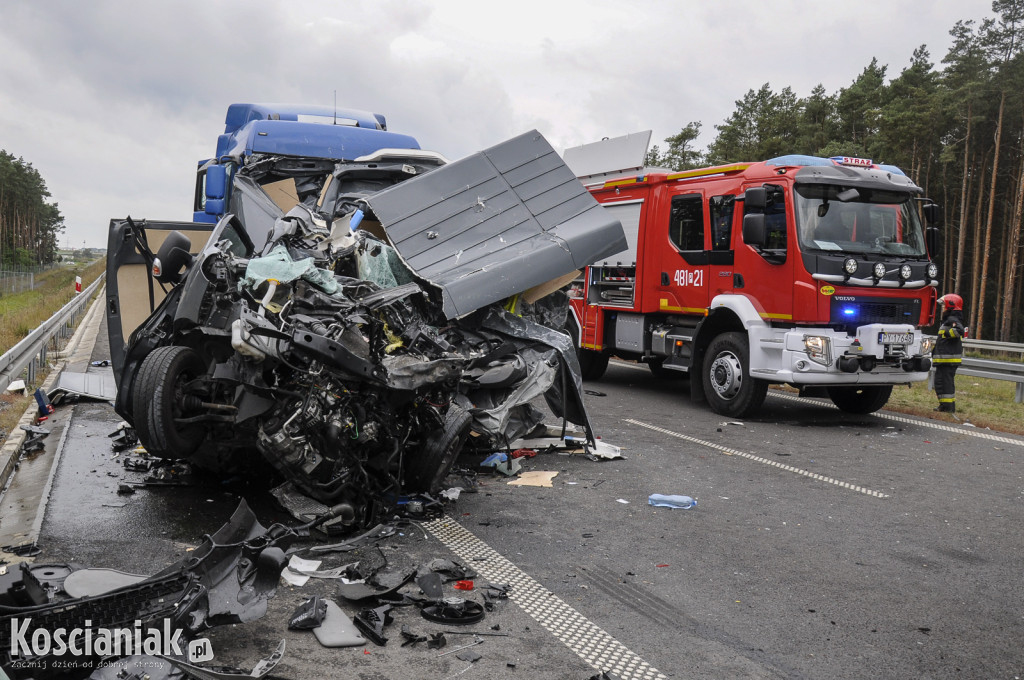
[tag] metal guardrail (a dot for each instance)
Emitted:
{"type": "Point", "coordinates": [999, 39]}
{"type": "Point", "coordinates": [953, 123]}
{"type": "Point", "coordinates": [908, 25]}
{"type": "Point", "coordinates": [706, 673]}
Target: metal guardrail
{"type": "Point", "coordinates": [993, 346]}
{"type": "Point", "coordinates": [31, 350]}
{"type": "Point", "coordinates": [996, 370]}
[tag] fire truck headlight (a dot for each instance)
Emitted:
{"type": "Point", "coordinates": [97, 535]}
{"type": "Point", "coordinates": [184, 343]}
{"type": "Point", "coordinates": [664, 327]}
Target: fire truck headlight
{"type": "Point", "coordinates": [933, 271]}
{"type": "Point", "coordinates": [879, 270]}
{"type": "Point", "coordinates": [905, 272]}
{"type": "Point", "coordinates": [819, 349]}
{"type": "Point", "coordinates": [850, 266]}
{"type": "Point", "coordinates": [927, 345]}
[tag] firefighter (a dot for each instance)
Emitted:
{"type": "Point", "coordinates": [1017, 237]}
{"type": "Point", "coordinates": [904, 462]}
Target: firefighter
{"type": "Point", "coordinates": [949, 350]}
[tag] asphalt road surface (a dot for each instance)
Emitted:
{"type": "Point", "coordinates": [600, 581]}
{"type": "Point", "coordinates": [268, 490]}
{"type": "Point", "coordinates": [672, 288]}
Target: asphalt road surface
{"type": "Point", "coordinates": [823, 545]}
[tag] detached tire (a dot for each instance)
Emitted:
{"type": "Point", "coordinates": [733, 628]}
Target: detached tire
{"type": "Point", "coordinates": [860, 400]}
{"type": "Point", "coordinates": [426, 469]}
{"type": "Point", "coordinates": [158, 399]}
{"type": "Point", "coordinates": [728, 387]}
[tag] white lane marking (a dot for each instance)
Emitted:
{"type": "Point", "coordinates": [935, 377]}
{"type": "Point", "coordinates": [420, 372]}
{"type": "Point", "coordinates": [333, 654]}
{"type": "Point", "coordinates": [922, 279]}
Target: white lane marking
{"type": "Point", "coordinates": [764, 461]}
{"type": "Point", "coordinates": [971, 432]}
{"type": "Point", "coordinates": [575, 631]}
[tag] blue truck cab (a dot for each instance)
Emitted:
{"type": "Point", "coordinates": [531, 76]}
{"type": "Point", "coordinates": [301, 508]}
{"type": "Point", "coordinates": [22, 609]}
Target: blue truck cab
{"type": "Point", "coordinates": [288, 130]}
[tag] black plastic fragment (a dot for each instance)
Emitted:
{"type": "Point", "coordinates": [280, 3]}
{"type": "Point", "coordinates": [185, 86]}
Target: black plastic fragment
{"type": "Point", "coordinates": [469, 655]}
{"type": "Point", "coordinates": [309, 614]}
{"type": "Point", "coordinates": [437, 641]}
{"type": "Point", "coordinates": [371, 622]}
{"type": "Point", "coordinates": [411, 638]}
{"type": "Point", "coordinates": [431, 585]}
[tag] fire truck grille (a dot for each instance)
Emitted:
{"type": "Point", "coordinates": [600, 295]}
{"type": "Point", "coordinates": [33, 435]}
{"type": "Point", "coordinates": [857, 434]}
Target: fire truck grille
{"type": "Point", "coordinates": [860, 313]}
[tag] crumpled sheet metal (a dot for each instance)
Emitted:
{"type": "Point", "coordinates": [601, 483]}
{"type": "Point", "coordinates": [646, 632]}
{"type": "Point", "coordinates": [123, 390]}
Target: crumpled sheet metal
{"type": "Point", "coordinates": [496, 223]}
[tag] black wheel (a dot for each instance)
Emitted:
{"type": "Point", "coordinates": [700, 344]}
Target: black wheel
{"type": "Point", "coordinates": [592, 364]}
{"type": "Point", "coordinates": [426, 469]}
{"type": "Point", "coordinates": [863, 399]}
{"type": "Point", "coordinates": [659, 371]}
{"type": "Point", "coordinates": [728, 386]}
{"type": "Point", "coordinates": [158, 399]}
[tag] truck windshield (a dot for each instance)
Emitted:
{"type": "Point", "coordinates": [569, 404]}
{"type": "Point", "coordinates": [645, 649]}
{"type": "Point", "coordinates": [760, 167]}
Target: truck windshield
{"type": "Point", "coordinates": [877, 222]}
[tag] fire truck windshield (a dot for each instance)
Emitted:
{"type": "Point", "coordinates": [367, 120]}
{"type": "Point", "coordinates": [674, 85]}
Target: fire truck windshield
{"type": "Point", "coordinates": [855, 220]}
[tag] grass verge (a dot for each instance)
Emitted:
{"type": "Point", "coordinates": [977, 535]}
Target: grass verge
{"type": "Point", "coordinates": [22, 313]}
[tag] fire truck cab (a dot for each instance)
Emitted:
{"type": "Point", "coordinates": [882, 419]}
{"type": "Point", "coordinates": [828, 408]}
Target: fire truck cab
{"type": "Point", "coordinates": [806, 271]}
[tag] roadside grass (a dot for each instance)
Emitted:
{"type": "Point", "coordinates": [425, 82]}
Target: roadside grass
{"type": "Point", "coordinates": [982, 402]}
{"type": "Point", "coordinates": [22, 313]}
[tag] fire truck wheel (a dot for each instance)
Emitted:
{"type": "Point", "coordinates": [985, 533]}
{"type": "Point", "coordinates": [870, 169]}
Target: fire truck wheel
{"type": "Point", "coordinates": [861, 400]}
{"type": "Point", "coordinates": [158, 399]}
{"type": "Point", "coordinates": [728, 386]}
{"type": "Point", "coordinates": [592, 364]}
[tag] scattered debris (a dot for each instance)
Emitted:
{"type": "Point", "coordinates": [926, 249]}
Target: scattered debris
{"type": "Point", "coordinates": [671, 501]}
{"type": "Point", "coordinates": [371, 623]}
{"type": "Point", "coordinates": [535, 478]}
{"type": "Point", "coordinates": [337, 629]}
{"type": "Point", "coordinates": [295, 574]}
{"type": "Point", "coordinates": [411, 638]}
{"type": "Point", "coordinates": [476, 641]}
{"type": "Point", "coordinates": [43, 403]}
{"type": "Point", "coordinates": [33, 440]}
{"type": "Point", "coordinates": [622, 500]}
{"type": "Point", "coordinates": [453, 611]}
{"type": "Point", "coordinates": [452, 494]}
{"type": "Point", "coordinates": [227, 579]}
{"type": "Point", "coordinates": [99, 386]}
{"type": "Point", "coordinates": [123, 437]}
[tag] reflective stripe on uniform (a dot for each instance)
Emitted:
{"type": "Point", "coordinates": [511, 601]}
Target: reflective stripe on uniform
{"type": "Point", "coordinates": [946, 360]}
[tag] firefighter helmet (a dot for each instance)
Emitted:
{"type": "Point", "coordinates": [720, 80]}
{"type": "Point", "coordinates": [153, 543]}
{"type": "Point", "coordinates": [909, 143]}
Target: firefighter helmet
{"type": "Point", "coordinates": [952, 301]}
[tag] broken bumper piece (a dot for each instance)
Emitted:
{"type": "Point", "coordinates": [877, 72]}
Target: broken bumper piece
{"type": "Point", "coordinates": [228, 579]}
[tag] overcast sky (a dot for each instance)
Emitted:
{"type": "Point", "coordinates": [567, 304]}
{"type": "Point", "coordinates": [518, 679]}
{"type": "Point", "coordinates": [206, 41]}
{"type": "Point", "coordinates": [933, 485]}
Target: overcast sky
{"type": "Point", "coordinates": [114, 102]}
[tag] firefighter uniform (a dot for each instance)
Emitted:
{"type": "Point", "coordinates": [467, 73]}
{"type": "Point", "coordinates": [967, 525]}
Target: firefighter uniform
{"type": "Point", "coordinates": [948, 352]}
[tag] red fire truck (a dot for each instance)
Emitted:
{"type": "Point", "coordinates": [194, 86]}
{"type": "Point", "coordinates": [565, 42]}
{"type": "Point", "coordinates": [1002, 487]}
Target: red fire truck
{"type": "Point", "coordinates": [811, 272]}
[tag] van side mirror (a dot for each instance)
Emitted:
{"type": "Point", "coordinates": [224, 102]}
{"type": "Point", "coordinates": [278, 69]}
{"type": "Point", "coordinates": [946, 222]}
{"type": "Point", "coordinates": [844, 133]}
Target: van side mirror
{"type": "Point", "coordinates": [755, 198]}
{"type": "Point", "coordinates": [754, 229]}
{"type": "Point", "coordinates": [172, 257]}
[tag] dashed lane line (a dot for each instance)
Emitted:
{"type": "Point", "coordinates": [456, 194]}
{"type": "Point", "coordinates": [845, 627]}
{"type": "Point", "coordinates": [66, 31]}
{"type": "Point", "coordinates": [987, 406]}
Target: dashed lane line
{"type": "Point", "coordinates": [970, 432]}
{"type": "Point", "coordinates": [764, 461]}
{"type": "Point", "coordinates": [592, 644]}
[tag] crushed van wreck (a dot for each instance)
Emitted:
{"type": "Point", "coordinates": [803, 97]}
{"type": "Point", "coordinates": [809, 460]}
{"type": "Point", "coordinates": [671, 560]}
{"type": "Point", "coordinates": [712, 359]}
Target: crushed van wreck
{"type": "Point", "coordinates": [355, 340]}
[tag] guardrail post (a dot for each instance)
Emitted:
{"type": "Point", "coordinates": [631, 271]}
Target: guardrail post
{"type": "Point", "coordinates": [1019, 395]}
{"type": "Point", "coordinates": [31, 372]}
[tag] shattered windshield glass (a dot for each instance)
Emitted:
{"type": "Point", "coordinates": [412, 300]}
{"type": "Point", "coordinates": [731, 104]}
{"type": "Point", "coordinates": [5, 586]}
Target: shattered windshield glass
{"type": "Point", "coordinates": [866, 222]}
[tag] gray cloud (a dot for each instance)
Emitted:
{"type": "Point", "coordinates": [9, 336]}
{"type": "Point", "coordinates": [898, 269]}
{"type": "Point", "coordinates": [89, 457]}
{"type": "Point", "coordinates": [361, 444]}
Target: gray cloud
{"type": "Point", "coordinates": [115, 101]}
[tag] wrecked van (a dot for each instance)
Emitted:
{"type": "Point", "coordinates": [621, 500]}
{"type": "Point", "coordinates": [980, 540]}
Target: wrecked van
{"type": "Point", "coordinates": [355, 340]}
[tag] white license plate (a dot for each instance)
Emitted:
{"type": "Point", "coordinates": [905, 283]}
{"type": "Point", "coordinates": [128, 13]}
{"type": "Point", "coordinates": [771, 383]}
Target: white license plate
{"type": "Point", "coordinates": [895, 338]}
